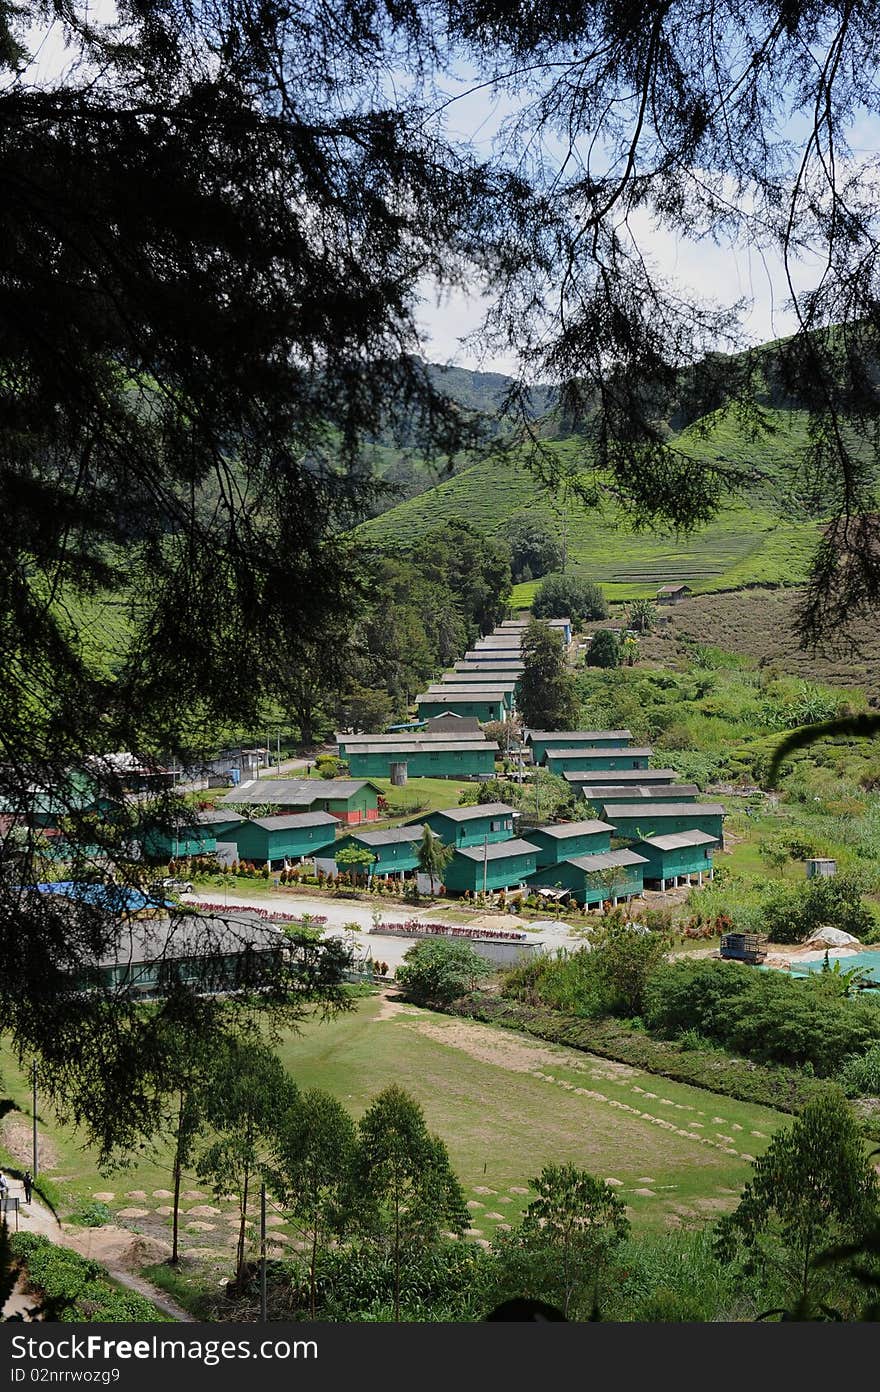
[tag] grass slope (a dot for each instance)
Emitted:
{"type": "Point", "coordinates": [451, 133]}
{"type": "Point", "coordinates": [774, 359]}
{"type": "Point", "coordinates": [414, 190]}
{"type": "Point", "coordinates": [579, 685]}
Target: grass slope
{"type": "Point", "coordinates": [747, 544]}
{"type": "Point", "coordinates": [505, 1104]}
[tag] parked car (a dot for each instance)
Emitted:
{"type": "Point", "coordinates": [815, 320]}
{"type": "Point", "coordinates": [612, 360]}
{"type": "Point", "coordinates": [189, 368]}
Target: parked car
{"type": "Point", "coordinates": [169, 885]}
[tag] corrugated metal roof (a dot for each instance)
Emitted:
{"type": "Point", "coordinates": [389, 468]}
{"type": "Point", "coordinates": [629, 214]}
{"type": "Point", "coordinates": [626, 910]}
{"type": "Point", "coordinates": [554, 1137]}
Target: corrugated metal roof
{"type": "Point", "coordinates": [650, 792]}
{"type": "Point", "coordinates": [611, 751]}
{"type": "Point", "coordinates": [594, 776]}
{"type": "Point", "coordinates": [678, 840]}
{"type": "Point", "coordinates": [567, 829]}
{"type": "Point", "coordinates": [434, 747]}
{"type": "Point", "coordinates": [557, 736]}
{"type": "Point", "coordinates": [608, 860]}
{"type": "Point", "coordinates": [391, 836]}
{"type": "Point", "coordinates": [293, 791]}
{"type": "Point", "coordinates": [475, 810]}
{"type": "Point", "coordinates": [296, 819]}
{"type": "Point", "coordinates": [400, 738]}
{"type": "Point", "coordinates": [497, 850]}
{"type": "Point", "coordinates": [619, 811]}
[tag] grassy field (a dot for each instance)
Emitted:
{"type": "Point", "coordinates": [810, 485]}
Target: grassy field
{"type": "Point", "coordinates": [505, 1104]}
{"type": "Point", "coordinates": [750, 542]}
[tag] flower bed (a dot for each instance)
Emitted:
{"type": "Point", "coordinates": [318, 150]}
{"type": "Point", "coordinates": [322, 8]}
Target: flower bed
{"type": "Point", "coordinates": [267, 914]}
{"type": "Point", "coordinates": [415, 928]}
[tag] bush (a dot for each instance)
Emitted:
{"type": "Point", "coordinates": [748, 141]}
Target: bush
{"type": "Point", "coordinates": [564, 596]}
{"type": "Point", "coordinates": [74, 1288]}
{"type": "Point", "coordinates": [91, 1215]}
{"type": "Point", "coordinates": [793, 913]}
{"type": "Point", "coordinates": [860, 1075]}
{"type": "Point", "coordinates": [765, 1015]}
{"type": "Point", "coordinates": [604, 649]}
{"type": "Point", "coordinates": [441, 969]}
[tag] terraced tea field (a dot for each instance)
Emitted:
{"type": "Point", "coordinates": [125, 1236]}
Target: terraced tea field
{"type": "Point", "coordinates": [747, 544]}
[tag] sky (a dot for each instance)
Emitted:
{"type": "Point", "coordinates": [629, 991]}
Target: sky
{"type": "Point", "coordinates": [721, 273]}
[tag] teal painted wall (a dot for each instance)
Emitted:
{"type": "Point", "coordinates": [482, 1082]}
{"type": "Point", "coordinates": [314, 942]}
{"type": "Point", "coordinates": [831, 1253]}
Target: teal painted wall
{"type": "Point", "coordinates": [553, 849]}
{"type": "Point", "coordinates": [395, 857]}
{"type": "Point", "coordinates": [589, 889]}
{"type": "Point", "coordinates": [483, 710]}
{"type": "Point", "coordinates": [460, 763]}
{"type": "Point", "coordinates": [642, 823]}
{"type": "Point", "coordinates": [192, 841]}
{"type": "Point", "coordinates": [463, 873]}
{"type": "Point", "coordinates": [473, 832]}
{"type": "Point", "coordinates": [598, 759]}
{"type": "Point", "coordinates": [257, 844]}
{"type": "Point", "coordinates": [686, 860]}
{"type": "Point", "coordinates": [539, 747]}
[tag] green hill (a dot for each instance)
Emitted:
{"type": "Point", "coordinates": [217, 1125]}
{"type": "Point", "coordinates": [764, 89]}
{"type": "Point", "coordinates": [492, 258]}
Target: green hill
{"type": "Point", "coordinates": [751, 542]}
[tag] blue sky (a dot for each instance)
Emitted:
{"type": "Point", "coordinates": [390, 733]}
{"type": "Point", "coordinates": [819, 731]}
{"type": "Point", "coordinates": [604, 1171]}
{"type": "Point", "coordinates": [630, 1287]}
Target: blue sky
{"type": "Point", "coordinates": [722, 273]}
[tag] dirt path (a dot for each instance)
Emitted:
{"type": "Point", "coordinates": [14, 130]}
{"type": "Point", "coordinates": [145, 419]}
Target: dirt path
{"type": "Point", "coordinates": [106, 1245]}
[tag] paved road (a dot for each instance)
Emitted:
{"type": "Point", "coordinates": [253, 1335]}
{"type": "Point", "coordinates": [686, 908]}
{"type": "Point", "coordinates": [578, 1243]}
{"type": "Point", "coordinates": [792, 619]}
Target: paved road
{"type": "Point", "coordinates": [341, 912]}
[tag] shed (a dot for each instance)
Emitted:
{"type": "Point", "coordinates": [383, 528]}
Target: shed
{"type": "Point", "coordinates": [568, 839]}
{"type": "Point", "coordinates": [672, 594]}
{"type": "Point", "coordinates": [470, 826]}
{"type": "Point", "coordinates": [595, 879]}
{"type": "Point", "coordinates": [195, 835]}
{"type": "Point", "coordinates": [610, 758]}
{"type": "Point", "coordinates": [349, 800]}
{"type": "Point", "coordinates": [406, 735]}
{"type": "Point", "coordinates": [286, 838]}
{"type": "Point", "coordinates": [395, 851]}
{"type": "Point", "coordinates": [677, 855]}
{"type": "Point", "coordinates": [633, 823]}
{"type": "Point", "coordinates": [502, 865]}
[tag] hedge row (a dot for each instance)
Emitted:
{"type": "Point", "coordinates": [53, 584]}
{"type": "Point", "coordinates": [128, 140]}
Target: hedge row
{"type": "Point", "coordinates": [784, 1089]}
{"type": "Point", "coordinates": [76, 1289]}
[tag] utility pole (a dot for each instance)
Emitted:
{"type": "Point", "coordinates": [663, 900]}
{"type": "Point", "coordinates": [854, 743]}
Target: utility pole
{"type": "Point", "coordinates": [34, 1104]}
{"type": "Point", "coordinates": [278, 746]}
{"type": "Point", "coordinates": [485, 862]}
{"type": "Point", "coordinates": [263, 1303]}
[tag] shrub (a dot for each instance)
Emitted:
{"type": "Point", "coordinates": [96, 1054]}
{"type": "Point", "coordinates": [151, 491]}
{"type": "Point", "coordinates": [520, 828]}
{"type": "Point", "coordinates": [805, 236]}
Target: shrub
{"type": "Point", "coordinates": [441, 969]}
{"type": "Point", "coordinates": [564, 596]}
{"type": "Point", "coordinates": [604, 649]}
{"type": "Point", "coordinates": [76, 1289]}
{"type": "Point", "coordinates": [91, 1215]}
{"type": "Point", "coordinates": [860, 1075]}
{"type": "Point", "coordinates": [793, 913]}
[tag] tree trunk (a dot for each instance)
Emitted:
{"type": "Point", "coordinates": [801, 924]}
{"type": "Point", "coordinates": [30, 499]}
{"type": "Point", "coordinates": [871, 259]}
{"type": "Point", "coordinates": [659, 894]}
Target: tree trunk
{"type": "Point", "coordinates": [175, 1221]}
{"type": "Point", "coordinates": [239, 1253]}
{"type": "Point", "coordinates": [312, 1301]}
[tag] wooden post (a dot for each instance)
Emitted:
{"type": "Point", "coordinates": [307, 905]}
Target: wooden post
{"type": "Point", "coordinates": [34, 1170]}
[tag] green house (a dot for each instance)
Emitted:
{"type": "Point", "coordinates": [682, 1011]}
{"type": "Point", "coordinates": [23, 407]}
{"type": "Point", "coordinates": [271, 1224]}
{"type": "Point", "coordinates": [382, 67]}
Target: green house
{"type": "Point", "coordinates": [543, 740]}
{"type": "Point", "coordinates": [428, 759]}
{"type": "Point", "coordinates": [471, 826]}
{"type": "Point", "coordinates": [456, 702]}
{"type": "Point", "coordinates": [395, 851]}
{"type": "Point", "coordinates": [490, 690]}
{"type": "Point", "coordinates": [349, 800]}
{"type": "Point", "coordinates": [188, 839]}
{"type": "Point", "coordinates": [502, 865]}
{"type": "Point", "coordinates": [595, 879]}
{"type": "Point", "coordinates": [569, 840]}
{"type": "Point", "coordinates": [632, 823]}
{"type": "Point", "coordinates": [280, 839]}
{"type": "Point", "coordinates": [678, 855]}
{"type": "Point", "coordinates": [571, 760]}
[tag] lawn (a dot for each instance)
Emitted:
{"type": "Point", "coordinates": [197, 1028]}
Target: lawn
{"type": "Point", "coordinates": [505, 1104]}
